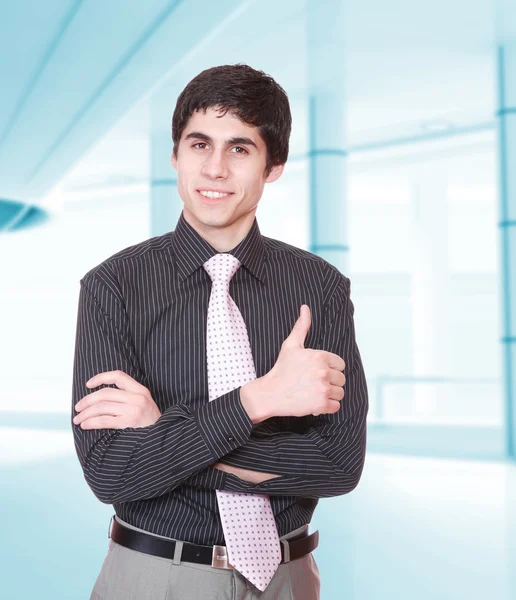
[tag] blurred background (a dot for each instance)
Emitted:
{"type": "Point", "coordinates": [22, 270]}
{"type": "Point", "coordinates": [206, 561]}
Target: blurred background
{"type": "Point", "coordinates": [402, 172]}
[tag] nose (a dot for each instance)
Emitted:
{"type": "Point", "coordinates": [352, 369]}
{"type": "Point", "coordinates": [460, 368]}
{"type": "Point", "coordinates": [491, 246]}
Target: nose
{"type": "Point", "coordinates": [215, 165]}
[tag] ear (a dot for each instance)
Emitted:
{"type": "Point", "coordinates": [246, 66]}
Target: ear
{"type": "Point", "coordinates": [275, 173]}
{"type": "Point", "coordinates": [173, 161]}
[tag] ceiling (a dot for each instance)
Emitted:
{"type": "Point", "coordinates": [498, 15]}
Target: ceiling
{"type": "Point", "coordinates": [80, 78]}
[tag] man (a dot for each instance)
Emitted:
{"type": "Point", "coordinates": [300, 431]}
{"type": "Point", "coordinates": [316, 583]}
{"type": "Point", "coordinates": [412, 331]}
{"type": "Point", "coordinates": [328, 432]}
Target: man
{"type": "Point", "coordinates": [209, 380]}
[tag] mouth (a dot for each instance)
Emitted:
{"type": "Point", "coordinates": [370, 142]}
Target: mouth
{"type": "Point", "coordinates": [213, 198]}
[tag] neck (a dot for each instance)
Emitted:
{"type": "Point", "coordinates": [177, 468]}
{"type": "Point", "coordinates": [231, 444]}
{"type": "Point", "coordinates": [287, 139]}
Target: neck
{"type": "Point", "coordinates": [225, 237]}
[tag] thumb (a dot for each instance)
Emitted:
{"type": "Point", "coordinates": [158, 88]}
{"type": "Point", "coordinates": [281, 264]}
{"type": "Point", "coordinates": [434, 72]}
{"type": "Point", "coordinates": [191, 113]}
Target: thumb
{"type": "Point", "coordinates": [301, 326]}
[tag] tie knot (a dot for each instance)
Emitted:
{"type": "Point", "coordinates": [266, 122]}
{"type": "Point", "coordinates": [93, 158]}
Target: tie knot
{"type": "Point", "coordinates": [222, 267]}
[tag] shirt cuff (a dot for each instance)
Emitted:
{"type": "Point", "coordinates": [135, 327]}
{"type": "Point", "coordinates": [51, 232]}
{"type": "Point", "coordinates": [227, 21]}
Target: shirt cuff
{"type": "Point", "coordinates": [224, 423]}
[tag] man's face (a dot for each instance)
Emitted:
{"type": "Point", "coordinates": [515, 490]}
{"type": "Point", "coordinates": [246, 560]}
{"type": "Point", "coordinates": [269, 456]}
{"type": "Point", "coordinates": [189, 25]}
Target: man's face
{"type": "Point", "coordinates": [221, 154]}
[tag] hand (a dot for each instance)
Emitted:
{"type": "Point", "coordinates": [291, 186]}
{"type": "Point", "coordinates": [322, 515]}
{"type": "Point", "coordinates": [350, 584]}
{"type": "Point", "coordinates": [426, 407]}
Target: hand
{"type": "Point", "coordinates": [129, 406]}
{"type": "Point", "coordinates": [302, 381]}
{"type": "Point", "coordinates": [245, 474]}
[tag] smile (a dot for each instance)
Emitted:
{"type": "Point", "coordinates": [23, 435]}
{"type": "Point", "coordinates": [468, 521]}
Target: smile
{"type": "Point", "coordinates": [214, 194]}
{"type": "Point", "coordinates": [211, 197]}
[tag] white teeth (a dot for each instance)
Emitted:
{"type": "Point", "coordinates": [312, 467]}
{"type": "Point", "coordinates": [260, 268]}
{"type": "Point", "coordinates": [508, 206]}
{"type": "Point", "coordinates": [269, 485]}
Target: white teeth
{"type": "Point", "coordinates": [213, 194]}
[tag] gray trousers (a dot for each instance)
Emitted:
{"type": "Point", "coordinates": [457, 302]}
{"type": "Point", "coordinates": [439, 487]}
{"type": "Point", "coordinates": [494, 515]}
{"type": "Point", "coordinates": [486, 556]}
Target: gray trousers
{"type": "Point", "coordinates": [127, 574]}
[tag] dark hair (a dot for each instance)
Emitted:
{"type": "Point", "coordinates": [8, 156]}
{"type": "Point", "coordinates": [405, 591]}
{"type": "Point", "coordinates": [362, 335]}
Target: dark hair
{"type": "Point", "coordinates": [252, 96]}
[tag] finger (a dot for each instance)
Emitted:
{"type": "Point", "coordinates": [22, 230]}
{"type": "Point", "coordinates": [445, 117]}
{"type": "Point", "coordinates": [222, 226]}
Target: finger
{"type": "Point", "coordinates": [101, 408]}
{"type": "Point", "coordinates": [103, 422]}
{"type": "Point", "coordinates": [332, 406]}
{"type": "Point", "coordinates": [334, 361]}
{"type": "Point", "coordinates": [122, 380]}
{"type": "Point", "coordinates": [336, 393]}
{"type": "Point", "coordinates": [337, 377]}
{"type": "Point", "coordinates": [111, 394]}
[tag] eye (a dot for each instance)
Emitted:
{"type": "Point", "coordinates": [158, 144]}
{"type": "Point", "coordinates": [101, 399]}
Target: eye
{"type": "Point", "coordinates": [197, 144]}
{"type": "Point", "coordinates": [244, 151]}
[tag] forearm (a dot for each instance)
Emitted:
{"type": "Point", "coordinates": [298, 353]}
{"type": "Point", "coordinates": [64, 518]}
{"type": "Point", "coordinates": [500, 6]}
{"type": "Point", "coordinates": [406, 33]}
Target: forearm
{"type": "Point", "coordinates": [227, 479]}
{"type": "Point", "coordinates": [269, 454]}
{"type": "Point", "coordinates": [307, 465]}
{"type": "Point", "coordinates": [336, 485]}
{"type": "Point", "coordinates": [288, 454]}
{"type": "Point", "coordinates": [338, 477]}
{"type": "Point", "coordinates": [135, 463]}
{"type": "Point", "coordinates": [214, 477]}
{"type": "Point", "coordinates": [316, 457]}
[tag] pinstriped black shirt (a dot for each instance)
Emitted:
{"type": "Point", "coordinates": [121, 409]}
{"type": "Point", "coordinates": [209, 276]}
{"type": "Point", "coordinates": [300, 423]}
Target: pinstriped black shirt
{"type": "Point", "coordinates": [144, 311]}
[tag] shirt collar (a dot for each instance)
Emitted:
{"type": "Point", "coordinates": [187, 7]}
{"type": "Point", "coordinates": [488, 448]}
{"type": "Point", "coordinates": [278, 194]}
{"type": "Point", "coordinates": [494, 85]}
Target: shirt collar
{"type": "Point", "coordinates": [192, 250]}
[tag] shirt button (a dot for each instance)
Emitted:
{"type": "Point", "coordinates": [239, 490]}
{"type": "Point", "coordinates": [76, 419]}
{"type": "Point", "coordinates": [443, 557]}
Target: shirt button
{"type": "Point", "coordinates": [231, 439]}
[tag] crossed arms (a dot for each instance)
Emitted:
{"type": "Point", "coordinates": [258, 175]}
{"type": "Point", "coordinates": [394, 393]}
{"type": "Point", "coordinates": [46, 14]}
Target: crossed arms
{"type": "Point", "coordinates": [209, 446]}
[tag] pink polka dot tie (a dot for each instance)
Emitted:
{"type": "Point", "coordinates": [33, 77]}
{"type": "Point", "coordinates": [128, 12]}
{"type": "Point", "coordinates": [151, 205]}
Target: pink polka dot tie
{"type": "Point", "coordinates": [247, 519]}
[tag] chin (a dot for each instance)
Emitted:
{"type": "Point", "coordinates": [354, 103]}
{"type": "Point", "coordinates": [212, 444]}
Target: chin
{"type": "Point", "coordinates": [213, 220]}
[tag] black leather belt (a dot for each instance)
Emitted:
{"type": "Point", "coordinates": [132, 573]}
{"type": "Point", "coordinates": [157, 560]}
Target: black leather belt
{"type": "Point", "coordinates": [216, 556]}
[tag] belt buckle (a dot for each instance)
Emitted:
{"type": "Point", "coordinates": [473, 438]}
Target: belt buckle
{"type": "Point", "coordinates": [220, 559]}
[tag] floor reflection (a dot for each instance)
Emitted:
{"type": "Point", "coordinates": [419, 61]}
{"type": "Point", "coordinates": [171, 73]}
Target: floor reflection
{"type": "Point", "coordinates": [414, 527]}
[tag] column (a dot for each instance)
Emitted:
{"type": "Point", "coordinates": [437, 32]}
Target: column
{"type": "Point", "coordinates": [506, 121]}
{"type": "Point", "coordinates": [327, 153]}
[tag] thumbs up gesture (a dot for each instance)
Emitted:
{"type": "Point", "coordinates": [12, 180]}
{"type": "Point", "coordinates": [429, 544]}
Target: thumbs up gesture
{"type": "Point", "coordinates": [302, 381]}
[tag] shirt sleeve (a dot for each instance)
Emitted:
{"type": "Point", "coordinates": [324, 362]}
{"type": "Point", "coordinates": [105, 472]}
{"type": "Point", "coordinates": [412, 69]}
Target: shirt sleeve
{"type": "Point", "coordinates": [319, 456]}
{"type": "Point", "coordinates": [135, 463]}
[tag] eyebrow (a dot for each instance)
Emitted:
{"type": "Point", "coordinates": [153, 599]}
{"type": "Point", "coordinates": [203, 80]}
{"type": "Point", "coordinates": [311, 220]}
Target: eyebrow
{"type": "Point", "coordinates": [245, 141]}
